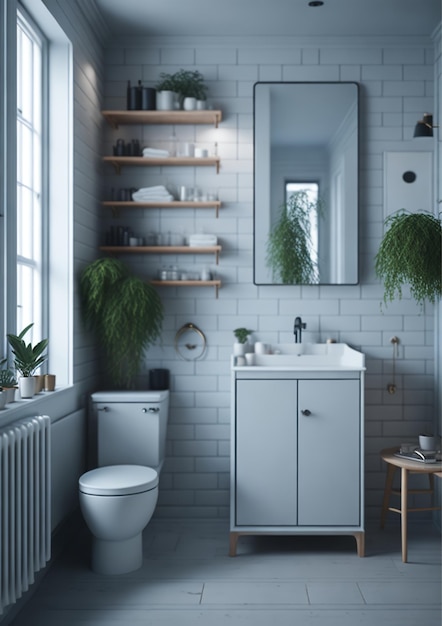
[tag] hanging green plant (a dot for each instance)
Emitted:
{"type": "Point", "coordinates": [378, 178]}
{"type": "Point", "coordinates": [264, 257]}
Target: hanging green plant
{"type": "Point", "coordinates": [289, 245]}
{"type": "Point", "coordinates": [410, 254]}
{"type": "Point", "coordinates": [124, 312]}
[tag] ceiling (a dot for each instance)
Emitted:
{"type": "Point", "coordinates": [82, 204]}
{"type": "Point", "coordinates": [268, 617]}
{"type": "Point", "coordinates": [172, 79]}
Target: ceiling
{"type": "Point", "coordinates": [270, 17]}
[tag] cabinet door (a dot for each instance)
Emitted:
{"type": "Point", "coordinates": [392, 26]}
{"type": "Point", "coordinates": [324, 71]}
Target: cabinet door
{"type": "Point", "coordinates": [329, 453]}
{"type": "Point", "coordinates": [266, 452]}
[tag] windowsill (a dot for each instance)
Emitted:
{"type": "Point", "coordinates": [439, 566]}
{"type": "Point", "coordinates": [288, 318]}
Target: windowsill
{"type": "Point", "coordinates": [39, 404]}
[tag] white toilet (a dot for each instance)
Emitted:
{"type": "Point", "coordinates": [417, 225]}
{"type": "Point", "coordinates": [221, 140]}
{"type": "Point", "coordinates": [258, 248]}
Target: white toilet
{"type": "Point", "coordinates": [119, 497]}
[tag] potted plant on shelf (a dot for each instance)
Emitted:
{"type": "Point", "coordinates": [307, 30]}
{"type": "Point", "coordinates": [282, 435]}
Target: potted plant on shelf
{"type": "Point", "coordinates": [124, 312]}
{"type": "Point", "coordinates": [289, 244]}
{"type": "Point", "coordinates": [27, 359]}
{"type": "Point", "coordinates": [241, 346]}
{"type": "Point", "coordinates": [7, 382]}
{"type": "Point", "coordinates": [166, 92]}
{"type": "Point", "coordinates": [410, 254]}
{"type": "Point", "coordinates": [189, 85]}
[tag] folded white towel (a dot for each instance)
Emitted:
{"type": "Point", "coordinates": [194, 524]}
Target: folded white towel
{"type": "Point", "coordinates": [202, 240]}
{"type": "Point", "coordinates": [156, 192]}
{"type": "Point", "coordinates": [153, 189]}
{"type": "Point", "coordinates": [155, 152]}
{"type": "Point", "coordinates": [166, 197]}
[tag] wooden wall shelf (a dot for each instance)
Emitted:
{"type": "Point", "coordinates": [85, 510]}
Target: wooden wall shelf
{"type": "Point", "coordinates": [115, 118]}
{"type": "Point", "coordinates": [115, 205]}
{"type": "Point", "coordinates": [163, 250]}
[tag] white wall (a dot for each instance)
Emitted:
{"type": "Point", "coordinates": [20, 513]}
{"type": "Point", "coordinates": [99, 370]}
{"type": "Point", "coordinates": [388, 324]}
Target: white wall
{"type": "Point", "coordinates": [396, 78]}
{"type": "Point", "coordinates": [85, 31]}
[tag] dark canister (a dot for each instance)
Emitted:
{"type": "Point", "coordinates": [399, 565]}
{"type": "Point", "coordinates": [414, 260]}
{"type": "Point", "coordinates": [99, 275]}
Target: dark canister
{"type": "Point", "coordinates": [158, 379]}
{"type": "Point", "coordinates": [134, 97]}
{"type": "Point", "coordinates": [148, 98]}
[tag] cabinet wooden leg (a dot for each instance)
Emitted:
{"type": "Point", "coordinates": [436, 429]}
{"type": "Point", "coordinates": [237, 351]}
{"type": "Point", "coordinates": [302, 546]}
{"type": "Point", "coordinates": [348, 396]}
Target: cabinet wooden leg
{"type": "Point", "coordinates": [233, 540]}
{"type": "Point", "coordinates": [360, 543]}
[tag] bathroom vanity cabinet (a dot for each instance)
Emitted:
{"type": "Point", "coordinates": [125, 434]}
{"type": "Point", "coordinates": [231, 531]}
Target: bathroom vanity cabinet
{"type": "Point", "coordinates": [297, 453]}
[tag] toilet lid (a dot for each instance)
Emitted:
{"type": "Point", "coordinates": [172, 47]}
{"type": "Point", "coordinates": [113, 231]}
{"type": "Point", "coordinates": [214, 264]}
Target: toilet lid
{"type": "Point", "coordinates": [118, 480]}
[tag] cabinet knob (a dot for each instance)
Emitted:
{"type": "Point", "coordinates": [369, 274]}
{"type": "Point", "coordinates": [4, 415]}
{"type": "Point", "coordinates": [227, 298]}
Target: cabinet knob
{"type": "Point", "coordinates": [306, 412]}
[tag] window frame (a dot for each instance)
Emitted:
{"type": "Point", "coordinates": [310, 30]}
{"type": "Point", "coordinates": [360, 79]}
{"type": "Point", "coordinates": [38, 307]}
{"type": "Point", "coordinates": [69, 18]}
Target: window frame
{"type": "Point", "coordinates": [58, 314]}
{"type": "Point", "coordinates": [40, 260]}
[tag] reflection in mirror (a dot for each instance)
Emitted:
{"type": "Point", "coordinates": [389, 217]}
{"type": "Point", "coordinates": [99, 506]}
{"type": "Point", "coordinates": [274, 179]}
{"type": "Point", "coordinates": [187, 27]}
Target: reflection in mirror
{"type": "Point", "coordinates": [306, 183]}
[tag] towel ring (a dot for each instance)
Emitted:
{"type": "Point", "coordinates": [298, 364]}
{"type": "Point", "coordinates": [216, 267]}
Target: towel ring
{"type": "Point", "coordinates": [190, 342]}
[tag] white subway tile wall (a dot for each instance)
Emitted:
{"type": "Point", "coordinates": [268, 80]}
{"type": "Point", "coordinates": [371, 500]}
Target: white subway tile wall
{"type": "Point", "coordinates": [396, 79]}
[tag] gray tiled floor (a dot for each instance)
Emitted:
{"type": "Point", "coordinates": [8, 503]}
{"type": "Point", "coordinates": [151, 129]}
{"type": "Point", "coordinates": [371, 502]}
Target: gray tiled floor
{"type": "Point", "coordinates": [188, 579]}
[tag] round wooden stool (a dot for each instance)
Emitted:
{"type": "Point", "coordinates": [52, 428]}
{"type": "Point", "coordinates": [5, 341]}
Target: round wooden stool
{"type": "Point", "coordinates": [407, 466]}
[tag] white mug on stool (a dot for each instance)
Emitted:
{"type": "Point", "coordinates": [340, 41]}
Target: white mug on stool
{"type": "Point", "coordinates": [427, 442]}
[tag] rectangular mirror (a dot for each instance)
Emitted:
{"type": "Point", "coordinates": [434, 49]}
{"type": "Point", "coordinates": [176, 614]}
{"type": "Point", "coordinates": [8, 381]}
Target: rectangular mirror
{"type": "Point", "coordinates": [306, 139]}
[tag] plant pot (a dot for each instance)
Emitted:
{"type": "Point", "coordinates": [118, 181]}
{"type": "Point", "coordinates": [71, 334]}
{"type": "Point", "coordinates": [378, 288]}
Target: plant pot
{"type": "Point", "coordinates": [166, 100]}
{"type": "Point", "coordinates": [201, 105]}
{"type": "Point", "coordinates": [2, 400]}
{"type": "Point", "coordinates": [9, 393]}
{"type": "Point", "coordinates": [26, 386]}
{"type": "Point", "coordinates": [240, 349]}
{"type": "Point", "coordinates": [189, 104]}
{"type": "Point", "coordinates": [39, 382]}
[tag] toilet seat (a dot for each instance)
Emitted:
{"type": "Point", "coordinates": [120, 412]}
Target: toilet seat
{"type": "Point", "coordinates": [118, 480]}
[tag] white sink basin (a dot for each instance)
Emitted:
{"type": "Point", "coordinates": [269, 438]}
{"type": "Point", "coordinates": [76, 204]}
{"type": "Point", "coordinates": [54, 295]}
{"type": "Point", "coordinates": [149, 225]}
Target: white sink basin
{"type": "Point", "coordinates": [320, 356]}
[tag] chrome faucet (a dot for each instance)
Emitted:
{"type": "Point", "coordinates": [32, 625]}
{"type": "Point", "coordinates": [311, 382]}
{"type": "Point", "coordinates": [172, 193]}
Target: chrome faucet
{"type": "Point", "coordinates": [297, 330]}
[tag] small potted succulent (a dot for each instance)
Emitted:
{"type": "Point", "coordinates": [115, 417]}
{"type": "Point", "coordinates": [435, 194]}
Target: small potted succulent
{"type": "Point", "coordinates": [27, 359]}
{"type": "Point", "coordinates": [241, 346]}
{"type": "Point", "coordinates": [7, 382]}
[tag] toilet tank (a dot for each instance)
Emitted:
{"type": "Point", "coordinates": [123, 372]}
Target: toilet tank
{"type": "Point", "coordinates": [131, 427]}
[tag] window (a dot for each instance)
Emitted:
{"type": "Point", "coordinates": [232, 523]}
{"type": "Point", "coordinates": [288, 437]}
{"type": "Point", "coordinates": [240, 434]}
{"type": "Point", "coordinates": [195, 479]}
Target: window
{"type": "Point", "coordinates": [36, 173]}
{"type": "Point", "coordinates": [30, 172]}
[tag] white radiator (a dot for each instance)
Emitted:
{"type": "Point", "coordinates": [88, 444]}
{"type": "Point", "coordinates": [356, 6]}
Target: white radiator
{"type": "Point", "coordinates": [25, 504]}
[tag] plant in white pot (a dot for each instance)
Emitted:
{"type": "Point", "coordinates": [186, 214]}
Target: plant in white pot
{"type": "Point", "coordinates": [167, 93]}
{"type": "Point", "coordinates": [27, 359]}
{"type": "Point", "coordinates": [7, 382]}
{"type": "Point", "coordinates": [241, 346]}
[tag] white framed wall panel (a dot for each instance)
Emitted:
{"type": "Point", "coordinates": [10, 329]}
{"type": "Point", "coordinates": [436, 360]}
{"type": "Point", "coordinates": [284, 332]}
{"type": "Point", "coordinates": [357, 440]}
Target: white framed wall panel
{"type": "Point", "coordinates": [408, 182]}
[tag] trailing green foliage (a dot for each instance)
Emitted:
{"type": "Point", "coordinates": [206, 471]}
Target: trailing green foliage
{"type": "Point", "coordinates": [242, 334]}
{"type": "Point", "coordinates": [289, 243]}
{"type": "Point", "coordinates": [410, 254]}
{"type": "Point", "coordinates": [27, 358]}
{"type": "Point", "coordinates": [124, 312]}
